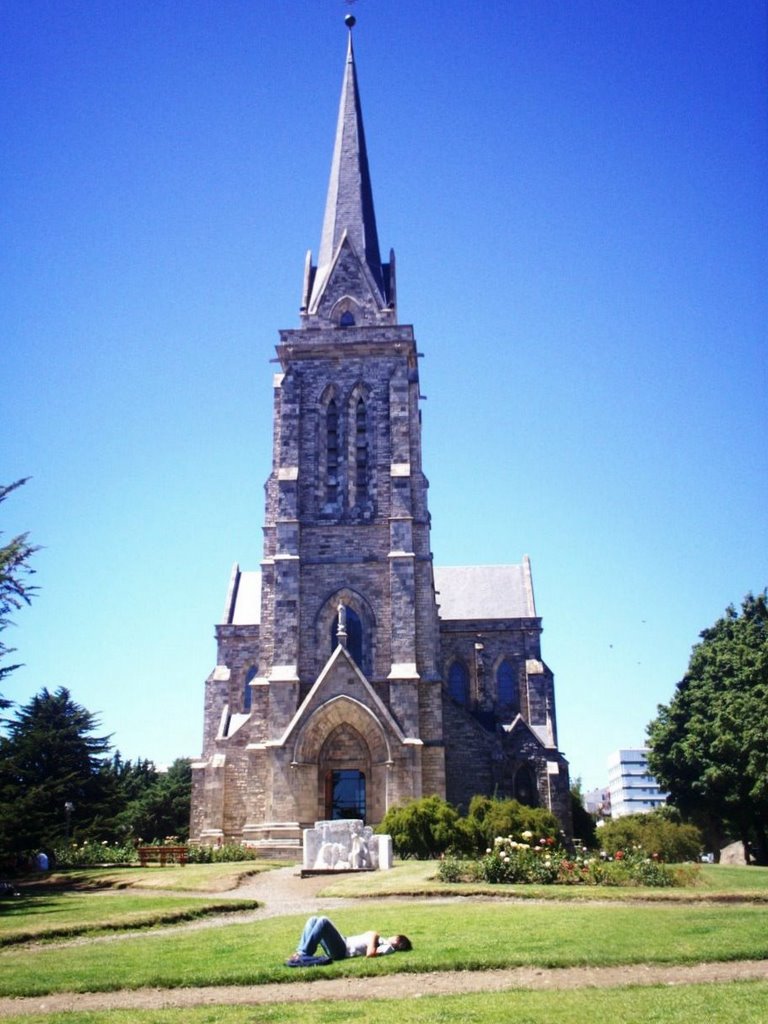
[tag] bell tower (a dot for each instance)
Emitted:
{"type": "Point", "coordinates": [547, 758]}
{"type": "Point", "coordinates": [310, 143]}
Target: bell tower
{"type": "Point", "coordinates": [347, 592]}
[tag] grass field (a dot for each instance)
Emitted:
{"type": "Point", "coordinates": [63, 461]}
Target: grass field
{"type": "Point", "coordinates": [418, 878]}
{"type": "Point", "coordinates": [172, 878]}
{"type": "Point", "coordinates": [725, 918]}
{"type": "Point", "coordinates": [67, 915]}
{"type": "Point", "coordinates": [474, 937]}
{"type": "Point", "coordinates": [745, 1002]}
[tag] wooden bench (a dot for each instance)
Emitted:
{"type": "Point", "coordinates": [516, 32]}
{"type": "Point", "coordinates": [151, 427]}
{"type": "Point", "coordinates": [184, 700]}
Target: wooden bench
{"type": "Point", "coordinates": [162, 855]}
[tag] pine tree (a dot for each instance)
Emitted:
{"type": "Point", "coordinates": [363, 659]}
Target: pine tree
{"type": "Point", "coordinates": [51, 780]}
{"type": "Point", "coordinates": [15, 589]}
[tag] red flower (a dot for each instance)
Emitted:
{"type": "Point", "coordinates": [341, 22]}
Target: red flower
{"type": "Point", "coordinates": [619, 855]}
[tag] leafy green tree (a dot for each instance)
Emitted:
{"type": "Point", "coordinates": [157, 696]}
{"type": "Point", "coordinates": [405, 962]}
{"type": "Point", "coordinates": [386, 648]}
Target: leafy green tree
{"type": "Point", "coordinates": [51, 780]}
{"type": "Point", "coordinates": [708, 745]}
{"type": "Point", "coordinates": [15, 589]}
{"type": "Point", "coordinates": [671, 841]}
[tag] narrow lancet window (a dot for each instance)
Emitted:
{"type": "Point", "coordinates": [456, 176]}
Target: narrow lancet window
{"type": "Point", "coordinates": [361, 451]}
{"type": "Point", "coordinates": [458, 682]}
{"type": "Point", "coordinates": [247, 692]}
{"type": "Point", "coordinates": [508, 697]}
{"type": "Point", "coordinates": [332, 452]}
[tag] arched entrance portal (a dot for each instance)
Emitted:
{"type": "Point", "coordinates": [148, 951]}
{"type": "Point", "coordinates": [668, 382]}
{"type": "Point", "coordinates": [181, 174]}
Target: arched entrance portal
{"type": "Point", "coordinates": [343, 736]}
{"type": "Point", "coordinates": [344, 766]}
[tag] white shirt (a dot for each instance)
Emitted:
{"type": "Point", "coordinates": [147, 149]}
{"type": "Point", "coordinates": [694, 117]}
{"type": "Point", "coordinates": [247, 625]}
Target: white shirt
{"type": "Point", "coordinates": [357, 945]}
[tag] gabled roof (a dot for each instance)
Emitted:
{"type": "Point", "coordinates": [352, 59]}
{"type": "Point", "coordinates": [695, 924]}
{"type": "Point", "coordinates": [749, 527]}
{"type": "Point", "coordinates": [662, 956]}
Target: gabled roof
{"type": "Point", "coordinates": [485, 591]}
{"type": "Point", "coordinates": [463, 592]}
{"type": "Point", "coordinates": [243, 604]}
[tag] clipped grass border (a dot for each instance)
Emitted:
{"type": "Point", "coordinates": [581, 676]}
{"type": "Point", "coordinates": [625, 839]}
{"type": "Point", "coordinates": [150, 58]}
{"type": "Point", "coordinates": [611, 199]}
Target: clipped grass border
{"type": "Point", "coordinates": [137, 921]}
{"type": "Point", "coordinates": [418, 879]}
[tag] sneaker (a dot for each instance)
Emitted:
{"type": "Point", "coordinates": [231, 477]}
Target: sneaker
{"type": "Point", "coordinates": [302, 960]}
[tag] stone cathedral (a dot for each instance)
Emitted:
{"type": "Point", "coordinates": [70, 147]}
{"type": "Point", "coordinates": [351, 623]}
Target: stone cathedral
{"type": "Point", "coordinates": [352, 673]}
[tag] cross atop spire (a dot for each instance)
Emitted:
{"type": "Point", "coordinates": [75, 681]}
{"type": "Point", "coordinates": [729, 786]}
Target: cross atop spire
{"type": "Point", "coordinates": [350, 221]}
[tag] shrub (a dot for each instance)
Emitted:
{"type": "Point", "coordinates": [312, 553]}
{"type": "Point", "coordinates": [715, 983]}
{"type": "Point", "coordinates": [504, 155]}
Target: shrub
{"type": "Point", "coordinates": [523, 860]}
{"type": "Point", "coordinates": [670, 841]}
{"type": "Point", "coordinates": [450, 870]}
{"type": "Point", "coordinates": [221, 854]}
{"type": "Point", "coordinates": [489, 817]}
{"type": "Point", "coordinates": [633, 867]}
{"type": "Point", "coordinates": [91, 854]}
{"type": "Point", "coordinates": [426, 829]}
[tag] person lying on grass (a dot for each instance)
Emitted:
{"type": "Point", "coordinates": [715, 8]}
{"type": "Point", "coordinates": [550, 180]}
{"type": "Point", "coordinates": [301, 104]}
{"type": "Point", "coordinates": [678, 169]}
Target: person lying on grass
{"type": "Point", "coordinates": [321, 931]}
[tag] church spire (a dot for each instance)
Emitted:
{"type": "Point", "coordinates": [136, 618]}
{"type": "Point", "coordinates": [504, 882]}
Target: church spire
{"type": "Point", "coordinates": [349, 213]}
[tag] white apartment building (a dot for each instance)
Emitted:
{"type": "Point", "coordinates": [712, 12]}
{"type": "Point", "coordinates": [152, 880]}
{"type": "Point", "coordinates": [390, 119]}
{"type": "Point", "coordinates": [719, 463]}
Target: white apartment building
{"type": "Point", "coordinates": [633, 789]}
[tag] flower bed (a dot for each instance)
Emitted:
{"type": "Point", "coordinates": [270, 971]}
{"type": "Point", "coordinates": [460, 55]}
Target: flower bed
{"type": "Point", "coordinates": [91, 854]}
{"type": "Point", "coordinates": [543, 862]}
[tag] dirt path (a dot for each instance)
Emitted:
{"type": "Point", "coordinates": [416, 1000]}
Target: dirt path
{"type": "Point", "coordinates": [284, 892]}
{"type": "Point", "coordinates": [393, 986]}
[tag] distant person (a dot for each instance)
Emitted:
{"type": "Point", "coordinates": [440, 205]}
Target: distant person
{"type": "Point", "coordinates": [321, 931]}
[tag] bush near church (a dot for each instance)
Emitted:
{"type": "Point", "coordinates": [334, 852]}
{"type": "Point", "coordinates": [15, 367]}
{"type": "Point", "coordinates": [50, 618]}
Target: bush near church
{"type": "Point", "coordinates": [503, 841]}
{"type": "Point", "coordinates": [430, 827]}
{"type": "Point", "coordinates": [488, 818]}
{"type": "Point", "coordinates": [426, 829]}
{"type": "Point", "coordinates": [671, 841]}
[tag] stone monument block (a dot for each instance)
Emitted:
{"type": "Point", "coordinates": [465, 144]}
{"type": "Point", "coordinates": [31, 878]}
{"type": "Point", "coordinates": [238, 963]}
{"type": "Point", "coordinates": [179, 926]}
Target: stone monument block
{"type": "Point", "coordinates": [345, 844]}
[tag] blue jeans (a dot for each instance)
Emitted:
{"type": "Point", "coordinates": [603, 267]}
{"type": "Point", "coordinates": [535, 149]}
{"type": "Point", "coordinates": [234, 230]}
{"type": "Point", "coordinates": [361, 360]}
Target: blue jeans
{"type": "Point", "coordinates": [319, 931]}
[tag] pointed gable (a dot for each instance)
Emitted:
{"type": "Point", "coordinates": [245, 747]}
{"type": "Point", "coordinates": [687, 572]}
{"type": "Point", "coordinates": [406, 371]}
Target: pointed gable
{"type": "Point", "coordinates": [349, 288]}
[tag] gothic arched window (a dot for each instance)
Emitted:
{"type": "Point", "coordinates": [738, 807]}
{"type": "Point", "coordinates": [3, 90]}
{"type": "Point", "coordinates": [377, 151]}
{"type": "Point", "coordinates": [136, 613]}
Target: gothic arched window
{"type": "Point", "coordinates": [247, 692]}
{"type": "Point", "coordinates": [361, 451]}
{"type": "Point", "coordinates": [332, 451]}
{"type": "Point", "coordinates": [347, 319]}
{"type": "Point", "coordinates": [458, 682]}
{"type": "Point", "coordinates": [507, 695]}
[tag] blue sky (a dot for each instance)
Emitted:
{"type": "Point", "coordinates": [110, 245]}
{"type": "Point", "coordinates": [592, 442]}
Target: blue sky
{"type": "Point", "coordinates": [577, 196]}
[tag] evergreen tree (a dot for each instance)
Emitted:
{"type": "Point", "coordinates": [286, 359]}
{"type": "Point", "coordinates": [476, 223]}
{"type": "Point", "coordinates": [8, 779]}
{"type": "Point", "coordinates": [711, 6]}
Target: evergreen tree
{"type": "Point", "coordinates": [708, 745]}
{"type": "Point", "coordinates": [51, 779]}
{"type": "Point", "coordinates": [160, 808]}
{"type": "Point", "coordinates": [15, 589]}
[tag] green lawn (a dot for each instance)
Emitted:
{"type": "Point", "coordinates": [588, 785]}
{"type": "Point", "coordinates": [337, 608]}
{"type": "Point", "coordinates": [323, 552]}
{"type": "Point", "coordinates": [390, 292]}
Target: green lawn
{"type": "Point", "coordinates": [173, 877]}
{"type": "Point", "coordinates": [724, 918]}
{"type": "Point", "coordinates": [49, 915]}
{"type": "Point", "coordinates": [474, 936]}
{"type": "Point", "coordinates": [419, 878]}
{"type": "Point", "coordinates": [730, 878]}
{"type": "Point", "coordinates": [745, 1002]}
